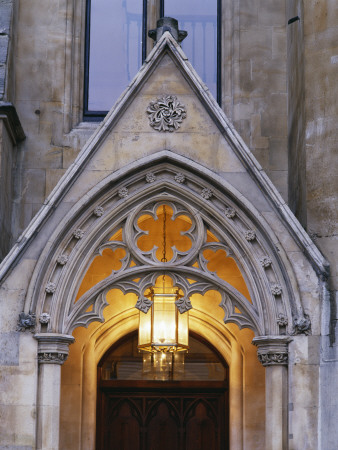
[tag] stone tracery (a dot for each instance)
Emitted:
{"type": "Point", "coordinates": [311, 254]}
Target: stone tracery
{"type": "Point", "coordinates": [138, 267]}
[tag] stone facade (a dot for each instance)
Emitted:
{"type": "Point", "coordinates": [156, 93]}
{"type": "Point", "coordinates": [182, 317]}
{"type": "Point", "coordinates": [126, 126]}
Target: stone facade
{"type": "Point", "coordinates": [64, 182]}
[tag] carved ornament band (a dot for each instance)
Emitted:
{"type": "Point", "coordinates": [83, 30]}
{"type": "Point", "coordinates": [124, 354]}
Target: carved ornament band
{"type": "Point", "coordinates": [52, 358]}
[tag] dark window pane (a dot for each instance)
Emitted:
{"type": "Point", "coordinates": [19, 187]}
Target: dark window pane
{"type": "Point", "coordinates": [115, 52]}
{"type": "Point", "coordinates": [199, 19]}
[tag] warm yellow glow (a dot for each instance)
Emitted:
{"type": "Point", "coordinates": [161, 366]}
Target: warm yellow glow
{"type": "Point", "coordinates": [174, 233]}
{"type": "Point", "coordinates": [218, 261]}
{"type": "Point", "coordinates": [163, 328]}
{"type": "Point", "coordinates": [164, 320]}
{"type": "Point", "coordinates": [227, 269]}
{"type": "Point", "coordinates": [100, 268]}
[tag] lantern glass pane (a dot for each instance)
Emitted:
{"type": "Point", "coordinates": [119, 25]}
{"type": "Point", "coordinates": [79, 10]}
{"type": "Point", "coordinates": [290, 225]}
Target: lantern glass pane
{"type": "Point", "coordinates": [164, 320]}
{"type": "Point", "coordinates": [183, 329]}
{"type": "Point", "coordinates": [144, 329]}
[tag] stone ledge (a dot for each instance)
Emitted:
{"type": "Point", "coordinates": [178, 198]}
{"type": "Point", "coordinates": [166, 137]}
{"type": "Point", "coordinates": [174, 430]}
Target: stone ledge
{"type": "Point", "coordinates": [11, 119]}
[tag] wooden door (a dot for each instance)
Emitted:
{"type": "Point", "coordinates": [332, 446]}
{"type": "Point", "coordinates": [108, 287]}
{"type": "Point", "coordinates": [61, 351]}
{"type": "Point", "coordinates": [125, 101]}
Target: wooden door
{"type": "Point", "coordinates": [162, 417]}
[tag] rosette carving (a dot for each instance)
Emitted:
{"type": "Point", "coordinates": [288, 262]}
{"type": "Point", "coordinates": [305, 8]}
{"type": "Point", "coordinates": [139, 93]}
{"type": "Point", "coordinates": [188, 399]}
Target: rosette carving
{"type": "Point", "coordinates": [98, 211]}
{"type": "Point", "coordinates": [250, 235]}
{"type": "Point", "coordinates": [206, 193]}
{"type": "Point", "coordinates": [50, 287]}
{"type": "Point", "coordinates": [179, 177]}
{"type": "Point", "coordinates": [230, 213]}
{"type": "Point", "coordinates": [265, 261]}
{"type": "Point", "coordinates": [62, 259]}
{"type": "Point", "coordinates": [78, 233]}
{"type": "Point", "coordinates": [166, 113]}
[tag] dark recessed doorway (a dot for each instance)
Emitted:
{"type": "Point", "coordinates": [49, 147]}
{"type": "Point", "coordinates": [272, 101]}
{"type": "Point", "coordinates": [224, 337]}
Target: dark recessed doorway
{"type": "Point", "coordinates": [138, 411]}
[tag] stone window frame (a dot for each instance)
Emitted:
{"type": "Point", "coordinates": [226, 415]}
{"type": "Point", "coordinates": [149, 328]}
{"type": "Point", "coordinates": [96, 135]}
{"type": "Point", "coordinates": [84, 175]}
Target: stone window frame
{"type": "Point", "coordinates": [152, 10]}
{"type": "Point", "coordinates": [75, 56]}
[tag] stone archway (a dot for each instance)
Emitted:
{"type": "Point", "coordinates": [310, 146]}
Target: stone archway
{"type": "Point", "coordinates": [78, 380]}
{"type": "Point", "coordinates": [210, 204]}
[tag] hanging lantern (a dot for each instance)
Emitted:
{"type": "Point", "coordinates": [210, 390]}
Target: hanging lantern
{"type": "Point", "coordinates": [163, 328]}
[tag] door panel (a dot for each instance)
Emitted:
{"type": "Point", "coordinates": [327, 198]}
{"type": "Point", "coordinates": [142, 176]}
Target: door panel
{"type": "Point", "coordinates": [161, 420]}
{"type": "Point", "coordinates": [123, 428]}
{"type": "Point", "coordinates": [162, 428]}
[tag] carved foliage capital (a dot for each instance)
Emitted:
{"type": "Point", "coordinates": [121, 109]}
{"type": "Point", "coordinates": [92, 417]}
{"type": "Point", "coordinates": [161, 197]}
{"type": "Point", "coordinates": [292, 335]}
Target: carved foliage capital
{"type": "Point", "coordinates": [53, 348]}
{"type": "Point", "coordinates": [272, 350]}
{"type": "Point", "coordinates": [270, 359]}
{"type": "Point", "coordinates": [52, 358]}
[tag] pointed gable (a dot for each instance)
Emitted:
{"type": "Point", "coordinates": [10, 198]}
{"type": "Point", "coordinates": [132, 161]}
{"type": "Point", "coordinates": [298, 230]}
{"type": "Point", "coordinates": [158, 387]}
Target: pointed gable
{"type": "Point", "coordinates": [205, 136]}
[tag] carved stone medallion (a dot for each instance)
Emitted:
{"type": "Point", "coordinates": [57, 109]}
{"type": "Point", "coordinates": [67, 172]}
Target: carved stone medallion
{"type": "Point", "coordinates": [166, 113]}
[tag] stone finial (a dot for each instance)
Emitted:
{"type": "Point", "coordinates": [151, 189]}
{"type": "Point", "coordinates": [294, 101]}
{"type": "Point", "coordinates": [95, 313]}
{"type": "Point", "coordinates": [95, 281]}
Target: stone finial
{"type": "Point", "coordinates": [167, 24]}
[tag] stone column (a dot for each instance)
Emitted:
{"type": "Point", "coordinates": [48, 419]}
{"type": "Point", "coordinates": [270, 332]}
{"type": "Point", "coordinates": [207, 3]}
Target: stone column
{"type": "Point", "coordinates": [52, 353]}
{"type": "Point", "coordinates": [273, 355]}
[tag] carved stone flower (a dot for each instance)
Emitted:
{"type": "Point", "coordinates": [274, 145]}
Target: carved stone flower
{"type": "Point", "coordinates": [166, 113]}
{"type": "Point", "coordinates": [98, 211]}
{"type": "Point", "coordinates": [250, 235]}
{"type": "Point", "coordinates": [44, 318]}
{"type": "Point", "coordinates": [265, 261]}
{"type": "Point", "coordinates": [206, 193]}
{"type": "Point", "coordinates": [230, 213]}
{"type": "Point", "coordinates": [282, 320]}
{"type": "Point", "coordinates": [179, 177]}
{"type": "Point", "coordinates": [50, 287]}
{"type": "Point", "coordinates": [276, 289]}
{"type": "Point", "coordinates": [123, 192]}
{"type": "Point", "coordinates": [62, 259]}
{"type": "Point", "coordinates": [78, 233]}
{"type": "Point", "coordinates": [150, 177]}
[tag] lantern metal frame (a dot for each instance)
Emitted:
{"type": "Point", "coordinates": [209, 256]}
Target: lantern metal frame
{"type": "Point", "coordinates": [155, 345]}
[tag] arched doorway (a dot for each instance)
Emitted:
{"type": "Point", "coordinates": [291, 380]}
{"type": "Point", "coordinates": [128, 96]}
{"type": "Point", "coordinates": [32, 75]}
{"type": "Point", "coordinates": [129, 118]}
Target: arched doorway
{"type": "Point", "coordinates": [141, 406]}
{"type": "Point", "coordinates": [221, 226]}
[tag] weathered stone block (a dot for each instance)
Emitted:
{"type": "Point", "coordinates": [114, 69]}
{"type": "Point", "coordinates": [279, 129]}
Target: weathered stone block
{"type": "Point", "coordinates": [9, 355]}
{"type": "Point", "coordinates": [4, 40]}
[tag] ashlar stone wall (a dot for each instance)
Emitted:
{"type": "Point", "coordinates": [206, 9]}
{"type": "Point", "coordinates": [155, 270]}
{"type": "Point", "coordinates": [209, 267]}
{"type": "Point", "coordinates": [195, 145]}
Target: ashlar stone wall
{"type": "Point", "coordinates": [49, 55]}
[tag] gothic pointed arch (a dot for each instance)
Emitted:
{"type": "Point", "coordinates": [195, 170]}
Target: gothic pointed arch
{"type": "Point", "coordinates": [190, 190]}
